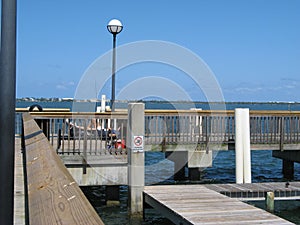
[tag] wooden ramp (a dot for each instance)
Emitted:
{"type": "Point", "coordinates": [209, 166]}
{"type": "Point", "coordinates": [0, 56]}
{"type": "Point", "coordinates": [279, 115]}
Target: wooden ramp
{"type": "Point", "coordinates": [196, 204]}
{"type": "Point", "coordinates": [53, 195]}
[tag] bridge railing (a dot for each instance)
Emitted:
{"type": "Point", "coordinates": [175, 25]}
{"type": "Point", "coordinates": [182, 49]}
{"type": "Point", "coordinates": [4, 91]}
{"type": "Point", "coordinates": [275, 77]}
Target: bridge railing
{"type": "Point", "coordinates": [279, 127]}
{"type": "Point", "coordinates": [188, 127]}
{"type": "Point", "coordinates": [76, 133]}
{"type": "Point", "coordinates": [84, 133]}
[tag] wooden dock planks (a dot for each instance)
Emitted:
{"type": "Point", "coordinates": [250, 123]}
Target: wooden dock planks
{"type": "Point", "coordinates": [53, 195]}
{"type": "Point", "coordinates": [196, 204]}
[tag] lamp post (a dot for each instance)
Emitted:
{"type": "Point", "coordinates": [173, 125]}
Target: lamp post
{"type": "Point", "coordinates": [114, 27]}
{"type": "Point", "coordinates": [7, 114]}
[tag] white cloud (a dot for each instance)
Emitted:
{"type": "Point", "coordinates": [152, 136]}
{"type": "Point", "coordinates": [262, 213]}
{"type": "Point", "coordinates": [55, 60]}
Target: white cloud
{"type": "Point", "coordinates": [61, 87]}
{"type": "Point", "coordinates": [283, 89]}
{"type": "Point", "coordinates": [248, 89]}
{"type": "Point", "coordinates": [65, 85]}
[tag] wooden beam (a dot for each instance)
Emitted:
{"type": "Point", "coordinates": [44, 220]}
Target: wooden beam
{"type": "Point", "coordinates": [53, 195]}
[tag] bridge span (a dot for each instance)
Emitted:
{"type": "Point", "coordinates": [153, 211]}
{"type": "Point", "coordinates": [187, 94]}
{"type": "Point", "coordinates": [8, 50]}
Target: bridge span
{"type": "Point", "coordinates": [184, 135]}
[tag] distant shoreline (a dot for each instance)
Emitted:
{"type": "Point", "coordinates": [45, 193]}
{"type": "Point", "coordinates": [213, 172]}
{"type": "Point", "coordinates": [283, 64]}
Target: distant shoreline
{"type": "Point", "coordinates": [148, 101]}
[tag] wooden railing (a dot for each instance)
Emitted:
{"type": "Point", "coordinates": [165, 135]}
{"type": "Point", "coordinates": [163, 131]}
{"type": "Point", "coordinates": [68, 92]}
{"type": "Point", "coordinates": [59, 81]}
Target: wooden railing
{"type": "Point", "coordinates": [166, 128]}
{"type": "Point", "coordinates": [52, 195]}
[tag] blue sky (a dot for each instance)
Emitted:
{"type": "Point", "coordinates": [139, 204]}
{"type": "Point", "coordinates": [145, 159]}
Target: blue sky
{"type": "Point", "coordinates": [252, 46]}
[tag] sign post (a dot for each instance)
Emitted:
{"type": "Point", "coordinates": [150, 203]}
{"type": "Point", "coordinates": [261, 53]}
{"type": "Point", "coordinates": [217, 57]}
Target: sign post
{"type": "Point", "coordinates": [136, 157]}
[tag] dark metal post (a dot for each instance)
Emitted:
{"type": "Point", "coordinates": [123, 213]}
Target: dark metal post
{"type": "Point", "coordinates": [7, 112]}
{"type": "Point", "coordinates": [113, 79]}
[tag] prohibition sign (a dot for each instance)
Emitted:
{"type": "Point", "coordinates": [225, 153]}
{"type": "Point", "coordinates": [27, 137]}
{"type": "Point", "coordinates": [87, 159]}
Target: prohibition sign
{"type": "Point", "coordinates": [138, 141]}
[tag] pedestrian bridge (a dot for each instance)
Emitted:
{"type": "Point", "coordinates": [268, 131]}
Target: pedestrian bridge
{"type": "Point", "coordinates": [187, 137]}
{"type": "Point", "coordinates": [38, 149]}
{"type": "Point", "coordinates": [168, 129]}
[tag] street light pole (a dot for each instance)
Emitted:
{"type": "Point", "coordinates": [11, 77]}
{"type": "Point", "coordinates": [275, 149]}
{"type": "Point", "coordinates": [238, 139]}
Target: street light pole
{"type": "Point", "coordinates": [113, 77]}
{"type": "Point", "coordinates": [7, 113]}
{"type": "Point", "coordinates": [114, 27]}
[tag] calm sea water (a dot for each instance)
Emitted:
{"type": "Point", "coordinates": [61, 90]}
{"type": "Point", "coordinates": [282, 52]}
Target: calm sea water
{"type": "Point", "coordinates": [176, 105]}
{"type": "Point", "coordinates": [265, 168]}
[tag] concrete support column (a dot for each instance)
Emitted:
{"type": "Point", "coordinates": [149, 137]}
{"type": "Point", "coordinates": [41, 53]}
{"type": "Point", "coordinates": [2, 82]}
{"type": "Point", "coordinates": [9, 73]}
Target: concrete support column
{"type": "Point", "coordinates": [288, 169]}
{"type": "Point", "coordinates": [180, 160]}
{"type": "Point", "coordinates": [194, 174]}
{"type": "Point", "coordinates": [197, 160]}
{"type": "Point", "coordinates": [136, 157]}
{"type": "Point", "coordinates": [179, 171]}
{"type": "Point", "coordinates": [288, 159]}
{"type": "Point", "coordinates": [112, 194]}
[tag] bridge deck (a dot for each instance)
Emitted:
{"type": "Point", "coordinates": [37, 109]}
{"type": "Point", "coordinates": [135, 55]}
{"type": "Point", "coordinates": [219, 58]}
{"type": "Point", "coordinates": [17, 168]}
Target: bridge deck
{"type": "Point", "coordinates": [196, 204]}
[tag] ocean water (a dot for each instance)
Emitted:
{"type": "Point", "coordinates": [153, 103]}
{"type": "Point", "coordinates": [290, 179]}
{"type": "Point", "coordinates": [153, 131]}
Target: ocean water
{"type": "Point", "coordinates": [265, 168]}
{"type": "Point", "coordinates": [175, 105]}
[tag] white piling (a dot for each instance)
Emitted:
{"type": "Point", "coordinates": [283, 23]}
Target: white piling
{"type": "Point", "coordinates": [246, 145]}
{"type": "Point", "coordinates": [103, 103]}
{"type": "Point", "coordinates": [242, 146]}
{"type": "Point", "coordinates": [239, 158]}
{"type": "Point", "coordinates": [270, 202]}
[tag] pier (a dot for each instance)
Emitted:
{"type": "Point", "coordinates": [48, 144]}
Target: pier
{"type": "Point", "coordinates": [197, 204]}
{"type": "Point", "coordinates": [188, 138]}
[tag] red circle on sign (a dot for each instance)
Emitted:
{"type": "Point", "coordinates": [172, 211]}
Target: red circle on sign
{"type": "Point", "coordinates": [138, 141]}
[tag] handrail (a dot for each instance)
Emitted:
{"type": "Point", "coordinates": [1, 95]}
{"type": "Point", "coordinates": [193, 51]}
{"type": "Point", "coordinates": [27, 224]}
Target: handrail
{"type": "Point", "coordinates": [67, 113]}
{"type": "Point", "coordinates": [173, 127]}
{"type": "Point", "coordinates": [20, 110]}
{"type": "Point", "coordinates": [50, 184]}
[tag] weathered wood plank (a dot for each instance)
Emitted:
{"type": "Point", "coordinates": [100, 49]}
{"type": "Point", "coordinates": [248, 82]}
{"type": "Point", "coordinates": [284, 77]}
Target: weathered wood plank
{"type": "Point", "coordinates": [196, 204]}
{"type": "Point", "coordinates": [53, 195]}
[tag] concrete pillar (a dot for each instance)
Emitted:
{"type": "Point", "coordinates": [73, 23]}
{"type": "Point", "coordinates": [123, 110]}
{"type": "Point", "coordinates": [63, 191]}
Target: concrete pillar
{"type": "Point", "coordinates": [288, 169]}
{"type": "Point", "coordinates": [180, 160]}
{"type": "Point", "coordinates": [194, 174]}
{"type": "Point", "coordinates": [197, 160]}
{"type": "Point", "coordinates": [179, 171]}
{"type": "Point", "coordinates": [288, 159]}
{"type": "Point", "coordinates": [112, 194]}
{"type": "Point", "coordinates": [136, 157]}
